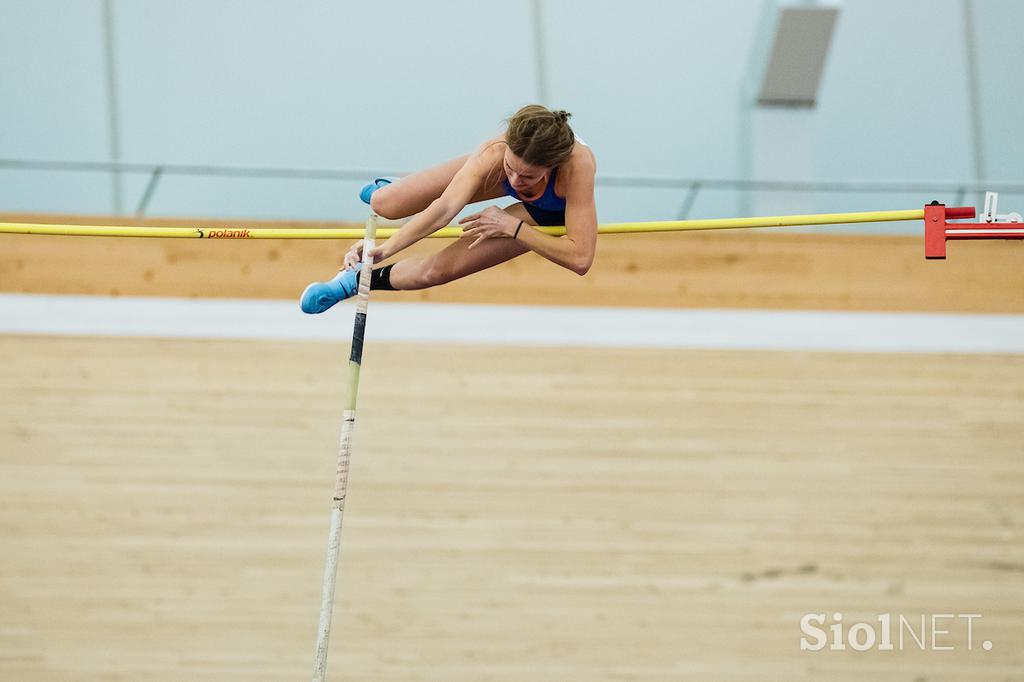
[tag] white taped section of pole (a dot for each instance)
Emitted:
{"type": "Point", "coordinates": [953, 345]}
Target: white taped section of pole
{"type": "Point", "coordinates": [327, 596]}
{"type": "Point", "coordinates": [344, 455]}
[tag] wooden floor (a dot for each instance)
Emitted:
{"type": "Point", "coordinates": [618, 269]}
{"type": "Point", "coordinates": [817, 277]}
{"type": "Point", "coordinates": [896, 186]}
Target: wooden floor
{"type": "Point", "coordinates": [514, 514]}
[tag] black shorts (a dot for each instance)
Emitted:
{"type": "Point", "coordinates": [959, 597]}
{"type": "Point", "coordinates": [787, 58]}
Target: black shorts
{"type": "Point", "coordinates": [545, 217]}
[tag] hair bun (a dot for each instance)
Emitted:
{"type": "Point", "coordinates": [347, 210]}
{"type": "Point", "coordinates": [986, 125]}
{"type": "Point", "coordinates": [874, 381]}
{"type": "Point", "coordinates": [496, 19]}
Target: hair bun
{"type": "Point", "coordinates": [562, 116]}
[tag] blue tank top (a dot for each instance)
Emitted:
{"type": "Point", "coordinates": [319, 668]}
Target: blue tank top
{"type": "Point", "coordinates": [549, 201]}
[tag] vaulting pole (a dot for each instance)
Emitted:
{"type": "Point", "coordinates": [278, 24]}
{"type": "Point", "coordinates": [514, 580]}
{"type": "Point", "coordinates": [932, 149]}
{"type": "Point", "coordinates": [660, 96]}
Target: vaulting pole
{"type": "Point", "coordinates": [344, 453]}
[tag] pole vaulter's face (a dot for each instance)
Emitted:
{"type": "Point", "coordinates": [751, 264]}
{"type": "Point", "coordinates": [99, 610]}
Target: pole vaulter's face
{"type": "Point", "coordinates": [524, 178]}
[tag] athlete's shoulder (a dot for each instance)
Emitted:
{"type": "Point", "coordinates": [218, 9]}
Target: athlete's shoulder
{"type": "Point", "coordinates": [491, 147]}
{"type": "Point", "coordinates": [488, 154]}
{"type": "Point", "coordinates": [581, 162]}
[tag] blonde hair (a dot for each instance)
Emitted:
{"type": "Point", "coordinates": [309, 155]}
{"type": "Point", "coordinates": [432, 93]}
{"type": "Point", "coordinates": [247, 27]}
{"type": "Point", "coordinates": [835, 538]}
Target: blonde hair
{"type": "Point", "coordinates": [539, 136]}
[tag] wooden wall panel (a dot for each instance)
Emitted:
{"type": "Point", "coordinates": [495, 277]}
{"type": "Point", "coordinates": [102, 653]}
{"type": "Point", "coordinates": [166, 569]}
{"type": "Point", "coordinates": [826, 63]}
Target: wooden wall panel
{"type": "Point", "coordinates": [729, 269]}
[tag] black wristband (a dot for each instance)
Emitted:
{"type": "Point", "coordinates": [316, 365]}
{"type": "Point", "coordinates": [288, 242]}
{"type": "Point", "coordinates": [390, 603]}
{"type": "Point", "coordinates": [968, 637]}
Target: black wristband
{"type": "Point", "coordinates": [518, 227]}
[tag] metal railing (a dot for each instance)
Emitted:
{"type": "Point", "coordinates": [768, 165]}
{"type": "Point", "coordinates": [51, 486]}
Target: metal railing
{"type": "Point", "coordinates": [690, 186]}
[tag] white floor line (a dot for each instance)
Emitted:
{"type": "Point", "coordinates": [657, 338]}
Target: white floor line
{"type": "Point", "coordinates": [516, 325]}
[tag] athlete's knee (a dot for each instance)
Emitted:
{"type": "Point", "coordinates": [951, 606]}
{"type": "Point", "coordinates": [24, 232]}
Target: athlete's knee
{"type": "Point", "coordinates": [437, 272]}
{"type": "Point", "coordinates": [421, 273]}
{"type": "Point", "coordinates": [384, 203]}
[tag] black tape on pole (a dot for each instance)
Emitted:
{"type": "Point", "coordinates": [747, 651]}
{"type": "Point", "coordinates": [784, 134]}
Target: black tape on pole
{"type": "Point", "coordinates": [357, 339]}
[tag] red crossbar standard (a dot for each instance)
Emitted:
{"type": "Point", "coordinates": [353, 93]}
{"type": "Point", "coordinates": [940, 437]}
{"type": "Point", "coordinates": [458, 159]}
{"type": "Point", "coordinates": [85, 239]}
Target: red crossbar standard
{"type": "Point", "coordinates": [938, 230]}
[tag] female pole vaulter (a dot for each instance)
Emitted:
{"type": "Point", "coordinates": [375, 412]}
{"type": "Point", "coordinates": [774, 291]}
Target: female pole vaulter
{"type": "Point", "coordinates": [538, 160]}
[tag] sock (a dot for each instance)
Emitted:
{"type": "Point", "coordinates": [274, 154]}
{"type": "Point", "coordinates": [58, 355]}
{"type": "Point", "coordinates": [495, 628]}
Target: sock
{"type": "Point", "coordinates": [381, 278]}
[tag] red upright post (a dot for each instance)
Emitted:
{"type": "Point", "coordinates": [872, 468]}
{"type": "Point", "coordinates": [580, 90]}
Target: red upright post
{"type": "Point", "coordinates": [935, 230]}
{"type": "Point", "coordinates": [938, 230]}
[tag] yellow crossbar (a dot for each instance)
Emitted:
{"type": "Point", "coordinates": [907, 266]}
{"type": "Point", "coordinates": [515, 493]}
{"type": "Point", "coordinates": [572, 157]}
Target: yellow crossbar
{"type": "Point", "coordinates": [452, 231]}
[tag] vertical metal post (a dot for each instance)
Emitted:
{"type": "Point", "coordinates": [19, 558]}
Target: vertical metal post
{"type": "Point", "coordinates": [961, 194]}
{"type": "Point", "coordinates": [746, 137]}
{"type": "Point", "coordinates": [973, 92]}
{"type": "Point", "coordinates": [691, 197]}
{"type": "Point", "coordinates": [113, 124]}
{"type": "Point", "coordinates": [539, 58]}
{"type": "Point", "coordinates": [154, 178]}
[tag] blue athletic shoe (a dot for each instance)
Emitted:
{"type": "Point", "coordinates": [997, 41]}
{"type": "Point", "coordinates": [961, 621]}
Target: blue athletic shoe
{"type": "Point", "coordinates": [367, 191]}
{"type": "Point", "coordinates": [319, 296]}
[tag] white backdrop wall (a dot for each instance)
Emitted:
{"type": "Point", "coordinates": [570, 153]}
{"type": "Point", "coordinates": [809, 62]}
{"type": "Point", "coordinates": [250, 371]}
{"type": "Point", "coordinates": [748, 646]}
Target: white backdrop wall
{"type": "Point", "coordinates": [654, 87]}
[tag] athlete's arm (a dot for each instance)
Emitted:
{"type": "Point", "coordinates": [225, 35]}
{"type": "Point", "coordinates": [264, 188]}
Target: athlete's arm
{"type": "Point", "coordinates": [466, 183]}
{"type": "Point", "coordinates": [576, 250]}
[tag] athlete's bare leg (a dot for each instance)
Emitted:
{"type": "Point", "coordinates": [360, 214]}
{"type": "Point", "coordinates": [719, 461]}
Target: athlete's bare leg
{"type": "Point", "coordinates": [412, 194]}
{"type": "Point", "coordinates": [458, 260]}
